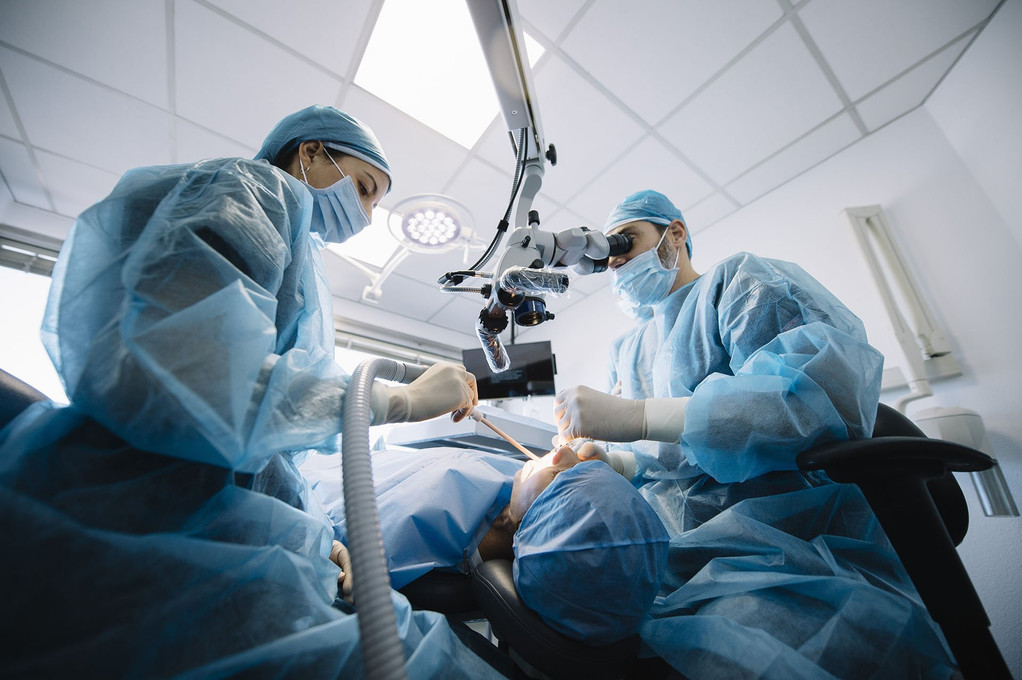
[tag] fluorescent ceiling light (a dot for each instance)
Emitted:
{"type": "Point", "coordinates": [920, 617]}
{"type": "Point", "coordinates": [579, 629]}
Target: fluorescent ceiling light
{"type": "Point", "coordinates": [425, 59]}
{"type": "Point", "coordinates": [373, 245]}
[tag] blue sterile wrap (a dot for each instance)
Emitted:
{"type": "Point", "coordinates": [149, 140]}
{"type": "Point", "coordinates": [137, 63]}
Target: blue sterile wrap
{"type": "Point", "coordinates": [590, 555]}
{"type": "Point", "coordinates": [122, 563]}
{"type": "Point", "coordinates": [435, 505]}
{"type": "Point", "coordinates": [190, 314]}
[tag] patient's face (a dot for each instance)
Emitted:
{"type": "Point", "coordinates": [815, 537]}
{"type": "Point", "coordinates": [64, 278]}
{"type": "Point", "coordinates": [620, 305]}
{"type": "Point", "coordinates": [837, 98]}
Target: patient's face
{"type": "Point", "coordinates": [535, 476]}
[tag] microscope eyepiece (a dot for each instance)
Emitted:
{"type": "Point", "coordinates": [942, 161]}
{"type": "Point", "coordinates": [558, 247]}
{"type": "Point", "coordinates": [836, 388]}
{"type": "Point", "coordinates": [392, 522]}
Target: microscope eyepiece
{"type": "Point", "coordinates": [619, 244]}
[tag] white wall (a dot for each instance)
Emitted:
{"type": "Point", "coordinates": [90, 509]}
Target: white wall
{"type": "Point", "coordinates": [949, 176]}
{"type": "Point", "coordinates": [978, 107]}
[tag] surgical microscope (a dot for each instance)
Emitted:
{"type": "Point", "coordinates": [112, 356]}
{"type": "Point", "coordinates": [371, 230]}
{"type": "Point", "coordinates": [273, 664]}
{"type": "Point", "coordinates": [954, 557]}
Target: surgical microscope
{"type": "Point", "coordinates": [532, 265]}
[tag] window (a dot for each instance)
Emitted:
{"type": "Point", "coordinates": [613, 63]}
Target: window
{"type": "Point", "coordinates": [22, 353]}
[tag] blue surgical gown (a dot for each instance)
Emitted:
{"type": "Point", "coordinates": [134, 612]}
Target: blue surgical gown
{"type": "Point", "coordinates": [158, 525]}
{"type": "Point", "coordinates": [773, 572]}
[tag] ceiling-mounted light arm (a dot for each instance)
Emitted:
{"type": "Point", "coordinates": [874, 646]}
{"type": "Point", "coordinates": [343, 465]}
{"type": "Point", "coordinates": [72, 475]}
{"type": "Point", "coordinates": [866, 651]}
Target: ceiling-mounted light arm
{"type": "Point", "coordinates": [498, 25]}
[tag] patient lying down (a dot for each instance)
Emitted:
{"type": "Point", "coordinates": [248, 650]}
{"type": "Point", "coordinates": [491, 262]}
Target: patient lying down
{"type": "Point", "coordinates": [589, 552]}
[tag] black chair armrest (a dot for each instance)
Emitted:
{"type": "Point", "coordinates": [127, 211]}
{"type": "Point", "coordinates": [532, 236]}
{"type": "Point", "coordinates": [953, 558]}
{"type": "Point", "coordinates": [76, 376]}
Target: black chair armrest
{"type": "Point", "coordinates": [864, 456]}
{"type": "Point", "coordinates": [536, 643]}
{"type": "Point", "coordinates": [920, 506]}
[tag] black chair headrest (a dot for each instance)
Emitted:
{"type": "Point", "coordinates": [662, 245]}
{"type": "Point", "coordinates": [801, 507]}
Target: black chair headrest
{"type": "Point", "coordinates": [16, 395]}
{"type": "Point", "coordinates": [526, 634]}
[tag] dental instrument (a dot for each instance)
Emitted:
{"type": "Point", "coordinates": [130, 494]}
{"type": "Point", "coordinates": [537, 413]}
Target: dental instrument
{"type": "Point", "coordinates": [475, 415]}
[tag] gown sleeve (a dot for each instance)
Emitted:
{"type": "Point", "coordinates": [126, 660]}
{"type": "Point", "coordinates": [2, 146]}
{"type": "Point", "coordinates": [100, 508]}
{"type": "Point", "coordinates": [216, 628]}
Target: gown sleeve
{"type": "Point", "coordinates": [188, 317]}
{"type": "Point", "coordinates": [803, 374]}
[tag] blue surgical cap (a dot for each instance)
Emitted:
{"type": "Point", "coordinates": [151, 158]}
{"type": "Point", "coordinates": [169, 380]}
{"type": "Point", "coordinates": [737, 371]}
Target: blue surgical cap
{"type": "Point", "coordinates": [326, 124]}
{"type": "Point", "coordinates": [590, 555]}
{"type": "Point", "coordinates": [650, 206]}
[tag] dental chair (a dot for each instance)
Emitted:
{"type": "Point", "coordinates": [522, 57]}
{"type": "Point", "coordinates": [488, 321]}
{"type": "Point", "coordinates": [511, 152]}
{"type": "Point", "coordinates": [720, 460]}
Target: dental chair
{"type": "Point", "coordinates": [535, 648]}
{"type": "Point", "coordinates": [907, 480]}
{"type": "Point", "coordinates": [905, 476]}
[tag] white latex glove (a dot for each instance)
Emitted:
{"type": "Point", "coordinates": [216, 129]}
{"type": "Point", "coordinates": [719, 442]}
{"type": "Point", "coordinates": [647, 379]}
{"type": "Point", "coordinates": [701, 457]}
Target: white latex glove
{"type": "Point", "coordinates": [623, 462]}
{"type": "Point", "coordinates": [339, 555]}
{"type": "Point", "coordinates": [443, 388]}
{"type": "Point", "coordinates": [584, 412]}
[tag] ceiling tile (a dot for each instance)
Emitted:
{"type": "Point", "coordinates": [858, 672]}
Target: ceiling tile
{"type": "Point", "coordinates": [20, 175]}
{"type": "Point", "coordinates": [423, 161]}
{"type": "Point", "coordinates": [702, 215]}
{"type": "Point", "coordinates": [427, 268]}
{"type": "Point", "coordinates": [582, 285]}
{"type": "Point", "coordinates": [73, 185]}
{"type": "Point", "coordinates": [647, 165]}
{"type": "Point", "coordinates": [249, 86]}
{"type": "Point", "coordinates": [346, 280]}
{"type": "Point", "coordinates": [485, 191]}
{"type": "Point", "coordinates": [411, 299]}
{"type": "Point", "coordinates": [868, 42]}
{"type": "Point", "coordinates": [195, 143]}
{"type": "Point", "coordinates": [6, 197]}
{"type": "Point", "coordinates": [121, 44]}
{"type": "Point", "coordinates": [908, 91]}
{"type": "Point", "coordinates": [770, 98]}
{"type": "Point", "coordinates": [459, 314]}
{"type": "Point", "coordinates": [550, 18]}
{"type": "Point", "coordinates": [282, 21]}
{"type": "Point", "coordinates": [654, 65]}
{"type": "Point", "coordinates": [496, 147]}
{"type": "Point", "coordinates": [586, 128]}
{"type": "Point", "coordinates": [107, 129]}
{"type": "Point", "coordinates": [803, 154]}
{"type": "Point", "coordinates": [7, 125]}
{"type": "Point", "coordinates": [374, 316]}
{"type": "Point", "coordinates": [566, 219]}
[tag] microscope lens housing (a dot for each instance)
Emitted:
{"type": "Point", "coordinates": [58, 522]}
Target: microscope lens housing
{"type": "Point", "coordinates": [532, 312]}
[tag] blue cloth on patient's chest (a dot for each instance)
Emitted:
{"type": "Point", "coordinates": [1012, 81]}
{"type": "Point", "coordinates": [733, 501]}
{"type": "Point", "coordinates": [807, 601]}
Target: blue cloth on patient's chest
{"type": "Point", "coordinates": [434, 505]}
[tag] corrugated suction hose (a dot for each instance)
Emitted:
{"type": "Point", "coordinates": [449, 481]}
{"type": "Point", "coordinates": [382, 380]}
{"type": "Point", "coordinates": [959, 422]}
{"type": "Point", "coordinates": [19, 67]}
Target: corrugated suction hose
{"type": "Point", "coordinates": [382, 652]}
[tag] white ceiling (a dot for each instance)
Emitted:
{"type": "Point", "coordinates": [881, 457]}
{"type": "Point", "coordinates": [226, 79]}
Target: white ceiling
{"type": "Point", "coordinates": [713, 103]}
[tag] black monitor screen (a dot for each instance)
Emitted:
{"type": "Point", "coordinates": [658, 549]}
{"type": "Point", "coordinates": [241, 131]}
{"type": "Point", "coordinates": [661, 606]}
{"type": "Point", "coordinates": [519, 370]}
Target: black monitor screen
{"type": "Point", "coordinates": [532, 371]}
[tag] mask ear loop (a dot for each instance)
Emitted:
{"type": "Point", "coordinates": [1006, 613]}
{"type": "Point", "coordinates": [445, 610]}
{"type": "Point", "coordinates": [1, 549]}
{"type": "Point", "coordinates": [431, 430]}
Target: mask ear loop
{"type": "Point", "coordinates": [677, 257]}
{"type": "Point", "coordinates": [301, 166]}
{"type": "Point", "coordinates": [334, 162]}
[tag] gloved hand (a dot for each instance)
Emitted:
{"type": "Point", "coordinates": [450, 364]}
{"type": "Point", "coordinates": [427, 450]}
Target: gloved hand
{"type": "Point", "coordinates": [590, 450]}
{"type": "Point", "coordinates": [584, 412]}
{"type": "Point", "coordinates": [339, 556]}
{"type": "Point", "coordinates": [622, 462]}
{"type": "Point", "coordinates": [443, 388]}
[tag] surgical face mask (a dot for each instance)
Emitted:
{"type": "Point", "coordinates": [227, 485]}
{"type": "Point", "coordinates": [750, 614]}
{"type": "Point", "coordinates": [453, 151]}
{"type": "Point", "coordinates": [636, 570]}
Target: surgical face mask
{"type": "Point", "coordinates": [337, 212]}
{"type": "Point", "coordinates": [639, 313]}
{"type": "Point", "coordinates": [643, 280]}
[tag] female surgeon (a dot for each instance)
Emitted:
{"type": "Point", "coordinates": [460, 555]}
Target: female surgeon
{"type": "Point", "coordinates": [158, 525]}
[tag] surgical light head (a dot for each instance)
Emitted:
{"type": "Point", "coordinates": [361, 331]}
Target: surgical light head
{"type": "Point", "coordinates": [649, 206]}
{"type": "Point", "coordinates": [334, 128]}
{"type": "Point", "coordinates": [590, 555]}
